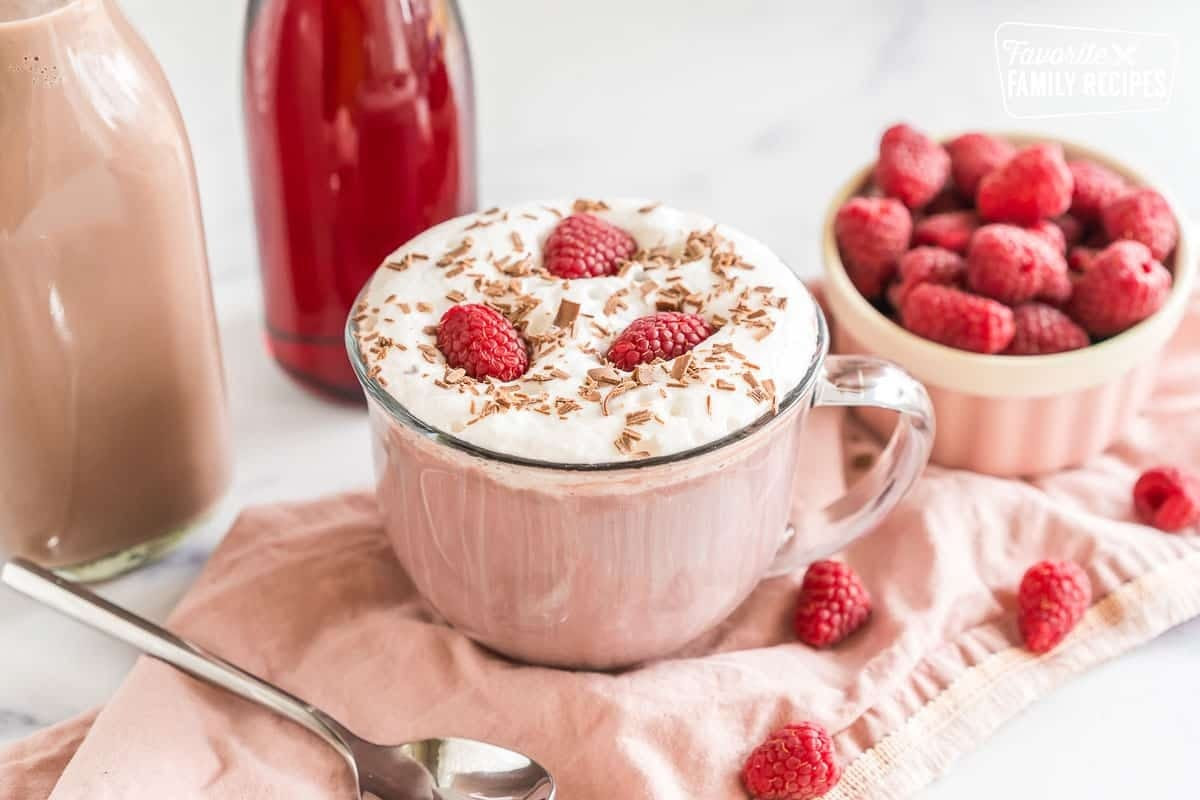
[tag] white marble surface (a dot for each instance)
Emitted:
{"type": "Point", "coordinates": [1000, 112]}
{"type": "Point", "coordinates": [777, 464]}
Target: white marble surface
{"type": "Point", "coordinates": [750, 111]}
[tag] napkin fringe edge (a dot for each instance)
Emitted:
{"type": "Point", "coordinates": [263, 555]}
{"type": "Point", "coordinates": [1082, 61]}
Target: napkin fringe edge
{"type": "Point", "coordinates": [994, 691]}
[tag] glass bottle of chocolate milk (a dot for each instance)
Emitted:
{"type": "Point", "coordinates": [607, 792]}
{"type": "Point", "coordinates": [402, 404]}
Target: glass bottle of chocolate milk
{"type": "Point", "coordinates": [114, 434]}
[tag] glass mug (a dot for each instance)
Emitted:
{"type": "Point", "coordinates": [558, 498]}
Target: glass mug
{"type": "Point", "coordinates": [602, 566]}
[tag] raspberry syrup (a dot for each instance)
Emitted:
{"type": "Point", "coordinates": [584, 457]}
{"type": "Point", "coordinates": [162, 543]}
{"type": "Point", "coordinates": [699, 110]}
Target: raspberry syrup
{"type": "Point", "coordinates": [360, 126]}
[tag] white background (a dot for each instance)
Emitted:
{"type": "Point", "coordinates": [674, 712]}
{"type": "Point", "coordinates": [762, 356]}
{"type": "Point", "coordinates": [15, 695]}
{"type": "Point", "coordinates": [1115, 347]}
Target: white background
{"type": "Point", "coordinates": [752, 112]}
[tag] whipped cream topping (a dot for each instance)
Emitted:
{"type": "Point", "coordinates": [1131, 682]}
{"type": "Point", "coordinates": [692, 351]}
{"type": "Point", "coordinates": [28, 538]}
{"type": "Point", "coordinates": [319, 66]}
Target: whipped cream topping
{"type": "Point", "coordinates": [571, 407]}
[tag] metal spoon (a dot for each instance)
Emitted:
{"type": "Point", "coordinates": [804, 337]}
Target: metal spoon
{"type": "Point", "coordinates": [430, 769]}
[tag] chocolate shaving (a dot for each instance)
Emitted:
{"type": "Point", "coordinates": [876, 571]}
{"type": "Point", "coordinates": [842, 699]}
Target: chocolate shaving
{"type": "Point", "coordinates": [399, 266]}
{"type": "Point", "coordinates": [638, 417]}
{"type": "Point", "coordinates": [565, 405]}
{"type": "Point", "coordinates": [568, 311]}
{"type": "Point", "coordinates": [428, 352]}
{"type": "Point", "coordinates": [679, 366]}
{"type": "Point", "coordinates": [616, 390]}
{"type": "Point", "coordinates": [582, 206]}
{"type": "Point", "coordinates": [605, 375]}
{"type": "Point", "coordinates": [615, 302]}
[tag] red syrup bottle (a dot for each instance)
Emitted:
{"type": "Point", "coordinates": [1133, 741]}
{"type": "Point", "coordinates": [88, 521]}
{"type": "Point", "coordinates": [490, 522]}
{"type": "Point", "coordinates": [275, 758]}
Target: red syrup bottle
{"type": "Point", "coordinates": [360, 126]}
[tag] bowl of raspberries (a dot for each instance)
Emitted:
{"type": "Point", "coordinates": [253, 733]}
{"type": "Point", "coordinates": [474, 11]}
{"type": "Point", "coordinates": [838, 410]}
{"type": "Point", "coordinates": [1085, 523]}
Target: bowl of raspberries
{"type": "Point", "coordinates": [1030, 283]}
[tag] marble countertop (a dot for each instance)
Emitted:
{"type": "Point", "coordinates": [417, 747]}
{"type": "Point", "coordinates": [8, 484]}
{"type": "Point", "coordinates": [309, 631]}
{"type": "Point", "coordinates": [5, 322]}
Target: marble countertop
{"type": "Point", "coordinates": [753, 112]}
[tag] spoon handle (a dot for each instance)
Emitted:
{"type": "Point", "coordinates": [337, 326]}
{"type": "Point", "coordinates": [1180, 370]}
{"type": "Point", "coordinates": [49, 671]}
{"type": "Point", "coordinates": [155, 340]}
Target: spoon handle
{"type": "Point", "coordinates": [95, 612]}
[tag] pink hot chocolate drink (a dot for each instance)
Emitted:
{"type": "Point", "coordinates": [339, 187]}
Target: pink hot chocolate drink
{"type": "Point", "coordinates": [586, 516]}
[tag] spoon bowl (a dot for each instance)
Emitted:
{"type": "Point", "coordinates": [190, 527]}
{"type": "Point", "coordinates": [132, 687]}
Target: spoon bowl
{"type": "Point", "coordinates": [427, 769]}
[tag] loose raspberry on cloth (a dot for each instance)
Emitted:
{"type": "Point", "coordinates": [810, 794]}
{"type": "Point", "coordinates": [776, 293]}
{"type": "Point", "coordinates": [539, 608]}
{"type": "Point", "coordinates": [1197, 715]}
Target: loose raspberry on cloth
{"type": "Point", "coordinates": [309, 596]}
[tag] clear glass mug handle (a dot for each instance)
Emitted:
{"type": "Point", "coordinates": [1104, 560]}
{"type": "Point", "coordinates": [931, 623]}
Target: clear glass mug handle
{"type": "Point", "coordinates": [864, 381]}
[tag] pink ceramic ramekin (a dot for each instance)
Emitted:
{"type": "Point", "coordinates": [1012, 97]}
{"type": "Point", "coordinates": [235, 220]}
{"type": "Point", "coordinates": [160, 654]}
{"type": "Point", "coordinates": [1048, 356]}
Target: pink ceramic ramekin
{"type": "Point", "coordinates": [1016, 415]}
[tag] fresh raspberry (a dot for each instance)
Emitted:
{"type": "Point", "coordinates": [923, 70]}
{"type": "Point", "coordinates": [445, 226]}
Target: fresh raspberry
{"type": "Point", "coordinates": [974, 155]}
{"type": "Point", "coordinates": [1040, 329]}
{"type": "Point", "coordinates": [1123, 286]}
{"type": "Point", "coordinates": [1052, 598]}
{"type": "Point", "coordinates": [912, 167]}
{"type": "Point", "coordinates": [1072, 229]}
{"type": "Point", "coordinates": [1011, 264]}
{"type": "Point", "coordinates": [1080, 258]}
{"type": "Point", "coordinates": [1095, 187]}
{"type": "Point", "coordinates": [664, 335]}
{"type": "Point", "coordinates": [585, 246]}
{"type": "Point", "coordinates": [1057, 288]}
{"type": "Point", "coordinates": [1034, 184]}
{"type": "Point", "coordinates": [956, 318]}
{"type": "Point", "coordinates": [1050, 233]}
{"type": "Point", "coordinates": [482, 341]}
{"type": "Point", "coordinates": [1145, 217]}
{"type": "Point", "coordinates": [795, 762]}
{"type": "Point", "coordinates": [872, 233]}
{"type": "Point", "coordinates": [926, 265]}
{"type": "Point", "coordinates": [1167, 498]}
{"type": "Point", "coordinates": [833, 603]}
{"type": "Point", "coordinates": [951, 230]}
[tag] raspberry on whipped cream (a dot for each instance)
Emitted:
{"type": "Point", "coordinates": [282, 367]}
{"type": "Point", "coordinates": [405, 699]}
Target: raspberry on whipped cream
{"type": "Point", "coordinates": [571, 406]}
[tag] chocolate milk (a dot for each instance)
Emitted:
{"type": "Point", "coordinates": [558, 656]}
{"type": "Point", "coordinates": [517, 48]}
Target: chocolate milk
{"type": "Point", "coordinates": [113, 425]}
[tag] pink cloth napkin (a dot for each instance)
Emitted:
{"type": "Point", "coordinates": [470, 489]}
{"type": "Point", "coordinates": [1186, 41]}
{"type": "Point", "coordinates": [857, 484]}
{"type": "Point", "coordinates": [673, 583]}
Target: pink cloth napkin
{"type": "Point", "coordinates": [30, 768]}
{"type": "Point", "coordinates": [309, 597]}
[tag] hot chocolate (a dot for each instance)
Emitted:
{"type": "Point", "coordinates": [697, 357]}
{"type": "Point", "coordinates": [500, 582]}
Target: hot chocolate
{"type": "Point", "coordinates": [586, 420]}
{"type": "Point", "coordinates": [112, 411]}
